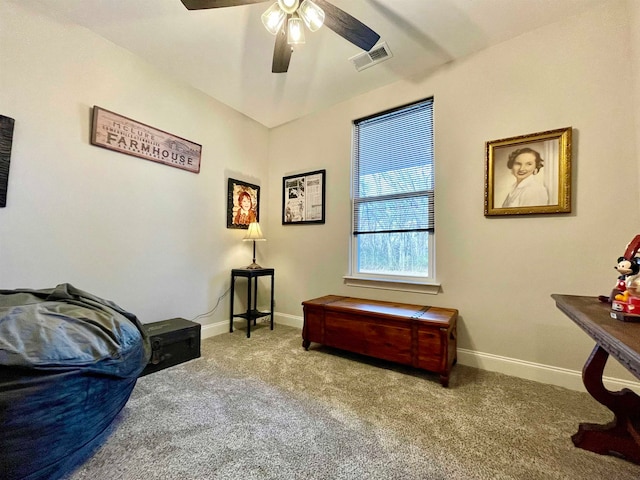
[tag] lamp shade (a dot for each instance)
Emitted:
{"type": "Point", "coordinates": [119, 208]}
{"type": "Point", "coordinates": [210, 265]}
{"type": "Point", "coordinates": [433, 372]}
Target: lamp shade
{"type": "Point", "coordinates": [254, 233]}
{"type": "Point", "coordinates": [295, 31]}
{"type": "Point", "coordinates": [312, 15]}
{"type": "Point", "coordinates": [289, 6]}
{"type": "Point", "coordinates": [273, 18]}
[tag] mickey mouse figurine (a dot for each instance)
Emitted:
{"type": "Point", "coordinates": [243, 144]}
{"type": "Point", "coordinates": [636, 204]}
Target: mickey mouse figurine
{"type": "Point", "coordinates": [625, 268]}
{"type": "Point", "coordinates": [628, 265]}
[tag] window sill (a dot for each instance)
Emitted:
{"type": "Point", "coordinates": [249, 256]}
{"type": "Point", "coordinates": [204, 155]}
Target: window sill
{"type": "Point", "coordinates": [431, 288]}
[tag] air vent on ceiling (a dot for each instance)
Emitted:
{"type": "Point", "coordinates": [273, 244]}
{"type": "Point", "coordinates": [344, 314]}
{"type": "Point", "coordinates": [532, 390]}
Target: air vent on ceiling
{"type": "Point", "coordinates": [377, 54]}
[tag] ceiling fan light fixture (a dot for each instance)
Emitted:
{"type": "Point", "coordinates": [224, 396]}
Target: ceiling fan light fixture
{"type": "Point", "coordinates": [295, 31]}
{"type": "Point", "coordinates": [289, 6]}
{"type": "Point", "coordinates": [273, 18]}
{"type": "Point", "coordinates": [312, 15]}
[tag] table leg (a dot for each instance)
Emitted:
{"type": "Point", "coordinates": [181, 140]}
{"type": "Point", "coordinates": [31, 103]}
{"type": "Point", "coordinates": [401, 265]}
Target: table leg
{"type": "Point", "coordinates": [255, 299]}
{"type": "Point", "coordinates": [233, 281]}
{"type": "Point", "coordinates": [249, 308]}
{"type": "Point", "coordinates": [305, 340]}
{"type": "Point", "coordinates": [621, 437]}
{"type": "Point", "coordinates": [272, 286]}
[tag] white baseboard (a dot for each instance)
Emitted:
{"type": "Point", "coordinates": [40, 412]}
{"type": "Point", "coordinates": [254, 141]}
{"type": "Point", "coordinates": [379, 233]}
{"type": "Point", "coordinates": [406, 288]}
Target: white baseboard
{"type": "Point", "coordinates": [538, 372]}
{"type": "Point", "coordinates": [289, 320]}
{"type": "Point", "coordinates": [562, 377]}
{"type": "Point", "coordinates": [219, 328]}
{"type": "Point", "coordinates": [214, 329]}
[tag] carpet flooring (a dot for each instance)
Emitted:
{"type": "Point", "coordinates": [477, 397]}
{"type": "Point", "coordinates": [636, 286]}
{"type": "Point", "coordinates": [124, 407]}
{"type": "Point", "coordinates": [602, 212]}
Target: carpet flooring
{"type": "Point", "coordinates": [264, 408]}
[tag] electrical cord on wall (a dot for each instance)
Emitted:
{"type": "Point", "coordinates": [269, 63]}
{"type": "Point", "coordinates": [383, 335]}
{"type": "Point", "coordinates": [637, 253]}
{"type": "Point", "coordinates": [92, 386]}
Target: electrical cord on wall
{"type": "Point", "coordinates": [214, 307]}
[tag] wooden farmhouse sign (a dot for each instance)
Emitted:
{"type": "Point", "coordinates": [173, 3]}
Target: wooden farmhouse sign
{"type": "Point", "coordinates": [115, 132]}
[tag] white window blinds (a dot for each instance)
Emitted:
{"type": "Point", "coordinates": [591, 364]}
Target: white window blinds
{"type": "Point", "coordinates": [393, 177]}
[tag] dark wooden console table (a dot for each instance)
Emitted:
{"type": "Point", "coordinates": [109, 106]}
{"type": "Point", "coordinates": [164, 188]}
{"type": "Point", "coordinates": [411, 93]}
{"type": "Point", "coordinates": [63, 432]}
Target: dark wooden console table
{"type": "Point", "coordinates": [252, 312]}
{"type": "Point", "coordinates": [621, 340]}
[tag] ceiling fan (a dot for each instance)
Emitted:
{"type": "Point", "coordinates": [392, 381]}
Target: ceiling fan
{"type": "Point", "coordinates": [286, 19]}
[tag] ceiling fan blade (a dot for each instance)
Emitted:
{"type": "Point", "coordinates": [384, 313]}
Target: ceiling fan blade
{"type": "Point", "coordinates": [281, 51]}
{"type": "Point", "coordinates": [203, 4]}
{"type": "Point", "coordinates": [347, 26]}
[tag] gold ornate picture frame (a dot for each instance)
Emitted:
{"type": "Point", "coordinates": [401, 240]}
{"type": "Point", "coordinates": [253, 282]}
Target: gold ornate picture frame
{"type": "Point", "coordinates": [528, 174]}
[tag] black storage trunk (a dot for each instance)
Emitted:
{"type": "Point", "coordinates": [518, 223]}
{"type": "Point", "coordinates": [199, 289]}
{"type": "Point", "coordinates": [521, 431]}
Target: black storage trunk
{"type": "Point", "coordinates": [172, 341]}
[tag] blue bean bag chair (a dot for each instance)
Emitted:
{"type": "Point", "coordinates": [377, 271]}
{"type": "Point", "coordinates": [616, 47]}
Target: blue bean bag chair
{"type": "Point", "coordinates": [68, 363]}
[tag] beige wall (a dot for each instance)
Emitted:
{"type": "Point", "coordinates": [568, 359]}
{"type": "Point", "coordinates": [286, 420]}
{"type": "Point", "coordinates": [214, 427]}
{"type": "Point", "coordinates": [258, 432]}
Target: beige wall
{"type": "Point", "coordinates": [151, 237]}
{"type": "Point", "coordinates": [634, 15]}
{"type": "Point", "coordinates": [499, 272]}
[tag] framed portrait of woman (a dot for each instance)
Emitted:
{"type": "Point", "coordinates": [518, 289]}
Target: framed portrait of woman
{"type": "Point", "coordinates": [528, 174]}
{"type": "Point", "coordinates": [243, 204]}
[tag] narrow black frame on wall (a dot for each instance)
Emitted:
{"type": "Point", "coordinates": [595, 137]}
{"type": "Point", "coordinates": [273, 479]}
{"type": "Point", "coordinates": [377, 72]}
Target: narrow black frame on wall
{"type": "Point", "coordinates": [303, 198]}
{"type": "Point", "coordinates": [6, 140]}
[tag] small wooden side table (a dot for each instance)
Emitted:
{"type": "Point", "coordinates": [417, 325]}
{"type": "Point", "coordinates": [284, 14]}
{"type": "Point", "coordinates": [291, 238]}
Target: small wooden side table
{"type": "Point", "coordinates": [621, 340]}
{"type": "Point", "coordinates": [252, 312]}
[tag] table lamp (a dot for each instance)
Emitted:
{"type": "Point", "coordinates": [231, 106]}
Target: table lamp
{"type": "Point", "coordinates": [254, 233]}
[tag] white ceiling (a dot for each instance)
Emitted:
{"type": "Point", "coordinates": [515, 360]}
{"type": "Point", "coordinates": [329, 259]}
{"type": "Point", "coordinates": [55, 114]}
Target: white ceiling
{"type": "Point", "coordinates": [226, 52]}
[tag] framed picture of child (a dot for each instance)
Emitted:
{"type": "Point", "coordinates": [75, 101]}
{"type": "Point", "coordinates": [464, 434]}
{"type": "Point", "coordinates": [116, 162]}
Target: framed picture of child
{"type": "Point", "coordinates": [243, 204]}
{"type": "Point", "coordinates": [529, 174]}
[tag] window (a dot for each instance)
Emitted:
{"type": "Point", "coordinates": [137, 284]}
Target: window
{"type": "Point", "coordinates": [393, 196]}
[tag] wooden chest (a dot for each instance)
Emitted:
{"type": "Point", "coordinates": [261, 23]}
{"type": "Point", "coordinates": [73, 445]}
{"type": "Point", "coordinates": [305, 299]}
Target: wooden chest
{"type": "Point", "coordinates": [172, 341]}
{"type": "Point", "coordinates": [421, 336]}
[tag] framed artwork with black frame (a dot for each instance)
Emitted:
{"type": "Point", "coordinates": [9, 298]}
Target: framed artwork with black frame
{"type": "Point", "coordinates": [6, 140]}
{"type": "Point", "coordinates": [528, 174]}
{"type": "Point", "coordinates": [303, 198]}
{"type": "Point", "coordinates": [243, 204]}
